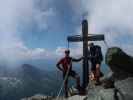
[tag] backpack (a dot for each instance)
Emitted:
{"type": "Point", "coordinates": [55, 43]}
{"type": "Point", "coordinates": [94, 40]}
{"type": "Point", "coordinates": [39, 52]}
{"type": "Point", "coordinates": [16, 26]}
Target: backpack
{"type": "Point", "coordinates": [96, 52]}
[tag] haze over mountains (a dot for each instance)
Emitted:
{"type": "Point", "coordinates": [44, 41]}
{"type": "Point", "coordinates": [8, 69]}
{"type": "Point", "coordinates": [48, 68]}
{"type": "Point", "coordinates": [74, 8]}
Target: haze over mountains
{"type": "Point", "coordinates": [26, 80]}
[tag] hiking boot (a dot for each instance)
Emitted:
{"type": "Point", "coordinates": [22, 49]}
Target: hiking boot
{"type": "Point", "coordinates": [78, 88]}
{"type": "Point", "coordinates": [66, 96]}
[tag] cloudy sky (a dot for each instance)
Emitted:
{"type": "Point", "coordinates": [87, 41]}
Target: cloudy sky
{"type": "Point", "coordinates": [37, 29]}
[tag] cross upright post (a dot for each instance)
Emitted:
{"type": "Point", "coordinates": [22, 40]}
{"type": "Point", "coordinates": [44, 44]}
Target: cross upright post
{"type": "Point", "coordinates": [85, 38]}
{"type": "Point", "coordinates": [85, 54]}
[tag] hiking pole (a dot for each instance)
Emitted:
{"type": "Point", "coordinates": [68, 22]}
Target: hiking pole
{"type": "Point", "coordinates": [61, 88]}
{"type": "Point", "coordinates": [63, 82]}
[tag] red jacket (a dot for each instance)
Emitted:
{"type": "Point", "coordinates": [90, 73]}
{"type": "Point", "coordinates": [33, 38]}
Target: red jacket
{"type": "Point", "coordinates": [66, 62]}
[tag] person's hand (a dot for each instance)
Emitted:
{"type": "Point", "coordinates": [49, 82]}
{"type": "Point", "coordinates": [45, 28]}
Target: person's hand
{"type": "Point", "coordinates": [63, 71]}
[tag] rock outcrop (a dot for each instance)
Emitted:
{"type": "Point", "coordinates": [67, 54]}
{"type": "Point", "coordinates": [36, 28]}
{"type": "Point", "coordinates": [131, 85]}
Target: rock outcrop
{"type": "Point", "coordinates": [122, 91]}
{"type": "Point", "coordinates": [118, 59]}
{"type": "Point", "coordinates": [121, 65]}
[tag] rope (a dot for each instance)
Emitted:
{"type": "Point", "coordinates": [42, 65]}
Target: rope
{"type": "Point", "coordinates": [68, 44]}
{"type": "Point", "coordinates": [61, 88]}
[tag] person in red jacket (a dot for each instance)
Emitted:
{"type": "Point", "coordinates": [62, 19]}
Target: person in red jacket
{"type": "Point", "coordinates": [65, 65]}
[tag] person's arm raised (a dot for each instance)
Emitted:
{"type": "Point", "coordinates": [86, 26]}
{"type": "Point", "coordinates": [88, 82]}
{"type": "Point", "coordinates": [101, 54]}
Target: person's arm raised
{"type": "Point", "coordinates": [77, 60]}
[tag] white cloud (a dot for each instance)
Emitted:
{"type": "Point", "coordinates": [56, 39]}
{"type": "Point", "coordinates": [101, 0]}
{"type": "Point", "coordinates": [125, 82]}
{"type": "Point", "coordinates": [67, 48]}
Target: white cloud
{"type": "Point", "coordinates": [76, 5]}
{"type": "Point", "coordinates": [103, 14]}
{"type": "Point", "coordinates": [13, 12]}
{"type": "Point", "coordinates": [42, 18]}
{"type": "Point", "coordinates": [74, 52]}
{"type": "Point", "coordinates": [110, 13]}
{"type": "Point", "coordinates": [39, 53]}
{"type": "Point", "coordinates": [60, 51]}
{"type": "Point", "coordinates": [10, 43]}
{"type": "Point", "coordinates": [113, 18]}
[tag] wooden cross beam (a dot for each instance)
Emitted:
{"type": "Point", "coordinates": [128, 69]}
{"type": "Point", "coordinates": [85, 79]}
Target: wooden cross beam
{"type": "Point", "coordinates": [85, 38]}
{"type": "Point", "coordinates": [78, 38]}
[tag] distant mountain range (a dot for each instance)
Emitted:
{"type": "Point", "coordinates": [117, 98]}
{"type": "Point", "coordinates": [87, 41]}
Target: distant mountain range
{"type": "Point", "coordinates": [32, 78]}
{"type": "Point", "coordinates": [27, 80]}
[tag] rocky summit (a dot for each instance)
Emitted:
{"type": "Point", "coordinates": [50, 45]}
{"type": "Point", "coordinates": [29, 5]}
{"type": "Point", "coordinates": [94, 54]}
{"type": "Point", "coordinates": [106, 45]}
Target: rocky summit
{"type": "Point", "coordinates": [118, 86]}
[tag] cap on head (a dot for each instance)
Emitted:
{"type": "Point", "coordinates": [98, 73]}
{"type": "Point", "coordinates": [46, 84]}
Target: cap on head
{"type": "Point", "coordinates": [91, 44]}
{"type": "Point", "coordinates": [67, 51]}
